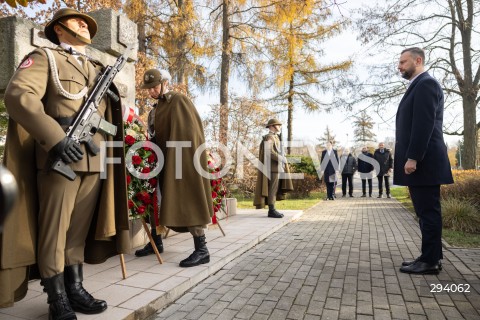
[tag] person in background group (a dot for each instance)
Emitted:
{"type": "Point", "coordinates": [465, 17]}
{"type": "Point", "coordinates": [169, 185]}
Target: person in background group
{"type": "Point", "coordinates": [349, 165]}
{"type": "Point", "coordinates": [329, 165]}
{"type": "Point", "coordinates": [270, 189]}
{"type": "Point", "coordinates": [55, 216]}
{"type": "Point", "coordinates": [421, 158]}
{"type": "Point", "coordinates": [365, 169]}
{"type": "Point", "coordinates": [186, 201]}
{"type": "Point", "coordinates": [385, 160]}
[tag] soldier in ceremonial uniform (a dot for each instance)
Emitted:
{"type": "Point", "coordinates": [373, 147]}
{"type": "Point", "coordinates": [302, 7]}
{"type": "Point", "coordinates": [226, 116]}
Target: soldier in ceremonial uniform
{"type": "Point", "coordinates": [58, 224]}
{"type": "Point", "coordinates": [272, 188]}
{"type": "Point", "coordinates": [186, 200]}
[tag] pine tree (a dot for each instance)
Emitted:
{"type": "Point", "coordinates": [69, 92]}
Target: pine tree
{"type": "Point", "coordinates": [327, 137]}
{"type": "Point", "coordinates": [363, 128]}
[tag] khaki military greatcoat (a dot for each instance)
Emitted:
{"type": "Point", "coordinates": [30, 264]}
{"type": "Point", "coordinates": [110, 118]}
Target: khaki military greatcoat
{"type": "Point", "coordinates": [186, 200]}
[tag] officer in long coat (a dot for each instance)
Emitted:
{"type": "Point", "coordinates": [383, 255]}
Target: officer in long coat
{"type": "Point", "coordinates": [269, 189]}
{"type": "Point", "coordinates": [50, 223]}
{"type": "Point", "coordinates": [186, 200]}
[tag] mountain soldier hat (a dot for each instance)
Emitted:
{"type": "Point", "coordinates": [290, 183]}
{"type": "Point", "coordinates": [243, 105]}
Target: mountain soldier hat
{"type": "Point", "coordinates": [272, 122]}
{"type": "Point", "coordinates": [69, 12]}
{"type": "Point", "coordinates": [154, 77]}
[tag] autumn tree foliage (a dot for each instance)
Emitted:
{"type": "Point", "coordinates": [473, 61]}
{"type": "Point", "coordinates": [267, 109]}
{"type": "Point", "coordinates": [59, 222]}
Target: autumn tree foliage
{"type": "Point", "coordinates": [40, 11]}
{"type": "Point", "coordinates": [247, 119]}
{"type": "Point", "coordinates": [233, 24]}
{"type": "Point", "coordinates": [296, 31]}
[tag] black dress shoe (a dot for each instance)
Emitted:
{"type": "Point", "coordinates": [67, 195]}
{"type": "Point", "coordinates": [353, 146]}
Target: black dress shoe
{"type": "Point", "coordinates": [331, 198]}
{"type": "Point", "coordinates": [389, 196]}
{"type": "Point", "coordinates": [351, 196]}
{"type": "Point", "coordinates": [380, 196]}
{"type": "Point", "coordinates": [420, 267]}
{"type": "Point", "coordinates": [148, 249]}
{"type": "Point", "coordinates": [343, 196]}
{"type": "Point", "coordinates": [364, 195]}
{"type": "Point", "coordinates": [410, 262]}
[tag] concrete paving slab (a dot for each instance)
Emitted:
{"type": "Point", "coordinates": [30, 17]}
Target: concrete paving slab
{"type": "Point", "coordinates": [151, 286]}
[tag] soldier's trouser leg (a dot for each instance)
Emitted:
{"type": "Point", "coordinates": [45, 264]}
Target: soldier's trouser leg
{"type": "Point", "coordinates": [272, 188]}
{"type": "Point", "coordinates": [65, 212]}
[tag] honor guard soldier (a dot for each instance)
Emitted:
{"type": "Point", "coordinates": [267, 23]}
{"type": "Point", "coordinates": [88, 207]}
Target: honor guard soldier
{"type": "Point", "coordinates": [58, 223]}
{"type": "Point", "coordinates": [186, 201]}
{"type": "Point", "coordinates": [271, 188]}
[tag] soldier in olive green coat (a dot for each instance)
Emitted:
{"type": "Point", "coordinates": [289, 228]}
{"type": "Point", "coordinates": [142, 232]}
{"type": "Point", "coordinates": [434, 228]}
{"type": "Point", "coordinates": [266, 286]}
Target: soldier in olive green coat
{"type": "Point", "coordinates": [269, 189]}
{"type": "Point", "coordinates": [186, 200]}
{"type": "Point", "coordinates": [50, 224]}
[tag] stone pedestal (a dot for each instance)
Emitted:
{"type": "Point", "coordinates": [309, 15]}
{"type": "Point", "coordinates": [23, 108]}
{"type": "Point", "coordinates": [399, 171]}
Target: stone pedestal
{"type": "Point", "coordinates": [229, 208]}
{"type": "Point", "coordinates": [138, 237]}
{"type": "Point", "coordinates": [21, 36]}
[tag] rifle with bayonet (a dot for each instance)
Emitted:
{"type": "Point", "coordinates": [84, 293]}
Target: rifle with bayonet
{"type": "Point", "coordinates": [88, 121]}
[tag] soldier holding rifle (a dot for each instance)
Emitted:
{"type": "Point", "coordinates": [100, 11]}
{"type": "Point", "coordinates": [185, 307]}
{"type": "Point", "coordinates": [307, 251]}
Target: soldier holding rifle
{"type": "Point", "coordinates": [62, 219]}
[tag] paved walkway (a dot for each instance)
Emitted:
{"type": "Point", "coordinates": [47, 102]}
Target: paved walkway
{"type": "Point", "coordinates": [340, 260]}
{"type": "Point", "coordinates": [151, 286]}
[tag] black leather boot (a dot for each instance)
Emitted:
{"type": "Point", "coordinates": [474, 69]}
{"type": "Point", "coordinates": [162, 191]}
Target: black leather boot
{"type": "Point", "coordinates": [199, 256]}
{"type": "Point", "coordinates": [273, 213]}
{"type": "Point", "coordinates": [148, 249]}
{"type": "Point", "coordinates": [80, 299]}
{"type": "Point", "coordinates": [59, 306]}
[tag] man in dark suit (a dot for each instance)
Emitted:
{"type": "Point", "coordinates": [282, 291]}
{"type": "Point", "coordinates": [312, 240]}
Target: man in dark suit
{"type": "Point", "coordinates": [329, 165]}
{"type": "Point", "coordinates": [384, 159]}
{"type": "Point", "coordinates": [421, 160]}
{"type": "Point", "coordinates": [365, 169]}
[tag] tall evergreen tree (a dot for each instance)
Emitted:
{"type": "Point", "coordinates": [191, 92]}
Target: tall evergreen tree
{"type": "Point", "coordinates": [327, 137]}
{"type": "Point", "coordinates": [363, 128]}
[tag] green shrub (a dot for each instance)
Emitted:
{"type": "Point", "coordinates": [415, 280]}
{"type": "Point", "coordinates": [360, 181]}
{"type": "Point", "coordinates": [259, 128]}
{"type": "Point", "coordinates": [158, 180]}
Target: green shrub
{"type": "Point", "coordinates": [303, 187]}
{"type": "Point", "coordinates": [461, 215]}
{"type": "Point", "coordinates": [305, 165]}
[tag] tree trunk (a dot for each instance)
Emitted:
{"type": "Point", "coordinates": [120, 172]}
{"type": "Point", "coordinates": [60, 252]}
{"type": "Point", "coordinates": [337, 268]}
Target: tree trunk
{"type": "Point", "coordinates": [469, 134]}
{"type": "Point", "coordinates": [225, 74]}
{"type": "Point", "coordinates": [290, 113]}
{"type": "Point", "coordinates": [142, 47]}
{"type": "Point", "coordinates": [467, 86]}
{"type": "Point", "coordinates": [181, 43]}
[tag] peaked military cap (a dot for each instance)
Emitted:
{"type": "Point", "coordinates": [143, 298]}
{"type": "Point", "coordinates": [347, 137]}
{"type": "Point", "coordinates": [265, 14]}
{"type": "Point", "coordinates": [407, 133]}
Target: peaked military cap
{"type": "Point", "coordinates": [69, 12]}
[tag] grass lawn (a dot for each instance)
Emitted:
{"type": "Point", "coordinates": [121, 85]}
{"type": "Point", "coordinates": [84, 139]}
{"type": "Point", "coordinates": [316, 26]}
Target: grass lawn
{"type": "Point", "coordinates": [454, 238]}
{"type": "Point", "coordinates": [287, 204]}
